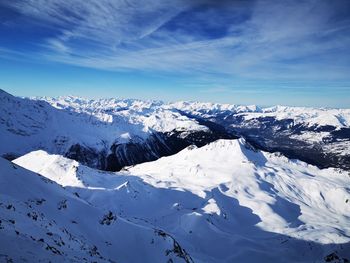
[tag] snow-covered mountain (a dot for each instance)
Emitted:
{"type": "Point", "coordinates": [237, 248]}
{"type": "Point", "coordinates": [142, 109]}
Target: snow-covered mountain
{"type": "Point", "coordinates": [102, 134]}
{"type": "Point", "coordinates": [109, 134]}
{"type": "Point", "coordinates": [319, 136]}
{"type": "Point", "coordinates": [339, 118]}
{"type": "Point", "coordinates": [40, 221]}
{"type": "Point", "coordinates": [224, 202]}
{"type": "Point", "coordinates": [187, 188]}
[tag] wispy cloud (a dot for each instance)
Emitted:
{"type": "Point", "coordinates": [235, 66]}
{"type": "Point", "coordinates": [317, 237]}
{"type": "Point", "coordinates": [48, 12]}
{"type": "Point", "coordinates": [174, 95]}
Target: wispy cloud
{"type": "Point", "coordinates": [304, 39]}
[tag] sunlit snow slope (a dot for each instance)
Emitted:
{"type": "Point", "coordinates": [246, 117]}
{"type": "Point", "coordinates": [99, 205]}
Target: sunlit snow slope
{"type": "Point", "coordinates": [109, 134]}
{"type": "Point", "coordinates": [224, 202]}
{"type": "Point", "coordinates": [40, 221]}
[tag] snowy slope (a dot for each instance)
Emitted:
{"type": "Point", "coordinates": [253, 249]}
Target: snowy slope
{"type": "Point", "coordinates": [34, 124]}
{"type": "Point", "coordinates": [259, 180]}
{"type": "Point", "coordinates": [301, 128]}
{"type": "Point", "coordinates": [308, 116]}
{"type": "Point", "coordinates": [90, 131]}
{"type": "Point", "coordinates": [224, 202]}
{"type": "Point", "coordinates": [150, 110]}
{"type": "Point", "coordinates": [30, 124]}
{"type": "Point", "coordinates": [41, 221]}
{"type": "Point", "coordinates": [148, 114]}
{"type": "Point", "coordinates": [112, 133]}
{"type": "Point", "coordinates": [319, 136]}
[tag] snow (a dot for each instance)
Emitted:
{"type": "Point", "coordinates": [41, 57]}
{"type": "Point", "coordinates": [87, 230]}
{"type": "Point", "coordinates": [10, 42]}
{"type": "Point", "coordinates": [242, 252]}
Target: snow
{"type": "Point", "coordinates": [310, 116]}
{"type": "Point", "coordinates": [221, 196]}
{"type": "Point", "coordinates": [55, 124]}
{"type": "Point", "coordinates": [167, 121]}
{"type": "Point", "coordinates": [288, 197]}
{"type": "Point", "coordinates": [42, 222]}
{"type": "Point", "coordinates": [30, 125]}
{"type": "Point", "coordinates": [224, 202]}
{"type": "Point", "coordinates": [301, 115]}
{"type": "Point", "coordinates": [310, 136]}
{"type": "Point", "coordinates": [58, 168]}
{"type": "Point", "coordinates": [149, 114]}
{"type": "Point", "coordinates": [164, 112]}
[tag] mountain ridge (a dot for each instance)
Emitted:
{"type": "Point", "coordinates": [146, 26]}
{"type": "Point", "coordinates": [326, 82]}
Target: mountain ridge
{"type": "Point", "coordinates": [222, 195]}
{"type": "Point", "coordinates": [109, 134]}
{"type": "Point", "coordinates": [42, 221]}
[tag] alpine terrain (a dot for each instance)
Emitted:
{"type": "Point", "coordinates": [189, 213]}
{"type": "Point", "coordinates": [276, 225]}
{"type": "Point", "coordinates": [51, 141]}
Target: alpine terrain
{"type": "Point", "coordinates": [114, 180]}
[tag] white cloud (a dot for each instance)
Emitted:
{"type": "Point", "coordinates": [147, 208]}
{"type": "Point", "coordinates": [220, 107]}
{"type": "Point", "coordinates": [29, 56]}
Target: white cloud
{"type": "Point", "coordinates": [279, 39]}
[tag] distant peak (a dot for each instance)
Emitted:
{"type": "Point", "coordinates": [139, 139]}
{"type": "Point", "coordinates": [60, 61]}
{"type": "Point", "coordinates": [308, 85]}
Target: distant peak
{"type": "Point", "coordinates": [4, 93]}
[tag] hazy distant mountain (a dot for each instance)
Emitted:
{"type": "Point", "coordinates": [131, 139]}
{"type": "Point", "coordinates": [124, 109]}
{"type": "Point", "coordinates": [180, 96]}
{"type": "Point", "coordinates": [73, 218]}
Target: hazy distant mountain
{"type": "Point", "coordinates": [214, 198]}
{"type": "Point", "coordinates": [109, 134]}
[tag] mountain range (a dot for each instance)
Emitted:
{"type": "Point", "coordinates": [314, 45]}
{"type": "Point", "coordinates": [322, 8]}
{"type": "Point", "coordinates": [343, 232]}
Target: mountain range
{"type": "Point", "coordinates": [109, 134]}
{"type": "Point", "coordinates": [146, 181]}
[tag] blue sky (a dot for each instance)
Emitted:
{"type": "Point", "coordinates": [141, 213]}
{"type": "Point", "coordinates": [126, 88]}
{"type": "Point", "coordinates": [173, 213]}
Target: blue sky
{"type": "Point", "coordinates": [245, 52]}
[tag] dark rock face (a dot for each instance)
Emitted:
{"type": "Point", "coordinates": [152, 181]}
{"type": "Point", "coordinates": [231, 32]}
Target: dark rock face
{"type": "Point", "coordinates": [10, 156]}
{"type": "Point", "coordinates": [264, 133]}
{"type": "Point", "coordinates": [334, 257]}
{"type": "Point", "coordinates": [156, 146]}
{"type": "Point", "coordinates": [87, 156]}
{"type": "Point", "coordinates": [25, 118]}
{"type": "Point", "coordinates": [135, 152]}
{"type": "Point", "coordinates": [337, 135]}
{"type": "Point", "coordinates": [270, 134]}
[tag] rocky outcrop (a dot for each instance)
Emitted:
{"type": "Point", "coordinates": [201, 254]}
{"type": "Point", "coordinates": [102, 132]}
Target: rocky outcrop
{"type": "Point", "coordinates": [135, 152]}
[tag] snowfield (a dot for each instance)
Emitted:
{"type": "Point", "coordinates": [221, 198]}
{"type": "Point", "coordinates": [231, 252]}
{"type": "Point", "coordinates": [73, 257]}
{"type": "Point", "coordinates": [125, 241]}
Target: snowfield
{"type": "Point", "coordinates": [305, 115]}
{"type": "Point", "coordinates": [109, 134]}
{"type": "Point", "coordinates": [224, 202]}
{"type": "Point", "coordinates": [35, 124]}
{"type": "Point", "coordinates": [43, 222]}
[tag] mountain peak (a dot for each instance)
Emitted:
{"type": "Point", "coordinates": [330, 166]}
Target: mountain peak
{"type": "Point", "coordinates": [5, 94]}
{"type": "Point", "coordinates": [236, 150]}
{"type": "Point", "coordinates": [55, 167]}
